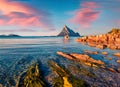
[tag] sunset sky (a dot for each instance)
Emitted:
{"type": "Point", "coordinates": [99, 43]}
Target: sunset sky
{"type": "Point", "coordinates": [47, 17]}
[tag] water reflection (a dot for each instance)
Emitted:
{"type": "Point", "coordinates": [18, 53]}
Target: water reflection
{"type": "Point", "coordinates": [65, 41]}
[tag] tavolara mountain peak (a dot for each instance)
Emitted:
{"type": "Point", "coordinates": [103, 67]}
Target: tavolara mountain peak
{"type": "Point", "coordinates": [67, 31]}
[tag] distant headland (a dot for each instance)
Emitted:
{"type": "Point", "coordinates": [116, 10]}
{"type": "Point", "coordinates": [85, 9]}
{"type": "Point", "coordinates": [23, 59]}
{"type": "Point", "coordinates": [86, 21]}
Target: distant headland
{"type": "Point", "coordinates": [10, 35]}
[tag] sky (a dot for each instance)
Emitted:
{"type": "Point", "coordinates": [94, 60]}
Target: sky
{"type": "Point", "coordinates": [47, 17]}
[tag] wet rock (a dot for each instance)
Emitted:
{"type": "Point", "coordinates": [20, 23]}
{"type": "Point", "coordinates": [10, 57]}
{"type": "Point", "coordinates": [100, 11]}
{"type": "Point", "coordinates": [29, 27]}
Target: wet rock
{"type": "Point", "coordinates": [64, 55]}
{"type": "Point", "coordinates": [118, 69]}
{"type": "Point", "coordinates": [101, 46]}
{"type": "Point", "coordinates": [91, 44]}
{"type": "Point", "coordinates": [32, 78]}
{"type": "Point", "coordinates": [111, 69]}
{"type": "Point", "coordinates": [109, 40]}
{"type": "Point", "coordinates": [118, 61]}
{"type": "Point", "coordinates": [113, 47]}
{"type": "Point", "coordinates": [116, 54]}
{"type": "Point", "coordinates": [90, 52]}
{"type": "Point", "coordinates": [110, 58]}
{"type": "Point", "coordinates": [1, 85]}
{"type": "Point", "coordinates": [81, 57]}
{"type": "Point", "coordinates": [65, 78]}
{"type": "Point", "coordinates": [105, 53]}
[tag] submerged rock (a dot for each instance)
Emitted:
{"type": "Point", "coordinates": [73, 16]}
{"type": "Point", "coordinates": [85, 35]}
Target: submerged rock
{"type": "Point", "coordinates": [118, 61]}
{"type": "Point", "coordinates": [112, 70]}
{"type": "Point", "coordinates": [65, 78]}
{"type": "Point", "coordinates": [105, 53]}
{"type": "Point", "coordinates": [90, 52]}
{"type": "Point", "coordinates": [86, 60]}
{"type": "Point", "coordinates": [118, 69]}
{"type": "Point", "coordinates": [32, 78]}
{"type": "Point", "coordinates": [116, 54]}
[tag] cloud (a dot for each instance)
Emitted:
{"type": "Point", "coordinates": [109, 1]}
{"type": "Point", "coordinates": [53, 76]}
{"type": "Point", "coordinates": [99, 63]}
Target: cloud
{"type": "Point", "coordinates": [86, 15]}
{"type": "Point", "coordinates": [19, 30]}
{"type": "Point", "coordinates": [17, 13]}
{"type": "Point", "coordinates": [91, 5]}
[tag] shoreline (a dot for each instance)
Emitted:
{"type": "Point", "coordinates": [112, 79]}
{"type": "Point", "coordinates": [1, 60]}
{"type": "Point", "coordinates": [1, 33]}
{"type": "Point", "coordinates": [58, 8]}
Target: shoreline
{"type": "Point", "coordinates": [110, 40]}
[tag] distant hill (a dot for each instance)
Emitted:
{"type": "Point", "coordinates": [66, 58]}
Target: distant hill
{"type": "Point", "coordinates": [10, 35]}
{"type": "Point", "coordinates": [68, 31]}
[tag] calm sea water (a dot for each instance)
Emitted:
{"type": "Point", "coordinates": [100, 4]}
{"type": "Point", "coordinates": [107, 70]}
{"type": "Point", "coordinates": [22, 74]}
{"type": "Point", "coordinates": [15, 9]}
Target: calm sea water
{"type": "Point", "coordinates": [16, 54]}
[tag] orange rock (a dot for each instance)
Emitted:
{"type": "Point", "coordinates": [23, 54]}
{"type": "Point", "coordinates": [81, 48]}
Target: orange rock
{"type": "Point", "coordinates": [81, 57]}
{"type": "Point", "coordinates": [79, 40]}
{"type": "Point", "coordinates": [118, 69]}
{"type": "Point", "coordinates": [91, 52]}
{"type": "Point", "coordinates": [118, 61]}
{"type": "Point", "coordinates": [117, 40]}
{"type": "Point", "coordinates": [116, 54]}
{"type": "Point", "coordinates": [118, 47]}
{"type": "Point", "coordinates": [113, 47]}
{"type": "Point", "coordinates": [110, 58]}
{"type": "Point", "coordinates": [92, 44]}
{"type": "Point", "coordinates": [110, 40]}
{"type": "Point", "coordinates": [64, 55]}
{"type": "Point", "coordinates": [111, 69]}
{"type": "Point", "coordinates": [105, 53]}
{"type": "Point", "coordinates": [101, 46]}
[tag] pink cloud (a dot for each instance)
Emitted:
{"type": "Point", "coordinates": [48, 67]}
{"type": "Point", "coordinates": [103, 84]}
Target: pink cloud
{"type": "Point", "coordinates": [86, 15]}
{"type": "Point", "coordinates": [89, 5]}
{"type": "Point", "coordinates": [16, 13]}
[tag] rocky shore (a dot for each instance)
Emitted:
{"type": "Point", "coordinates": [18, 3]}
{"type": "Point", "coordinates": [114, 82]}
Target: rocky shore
{"type": "Point", "coordinates": [87, 60]}
{"type": "Point", "coordinates": [82, 58]}
{"type": "Point", "coordinates": [110, 40]}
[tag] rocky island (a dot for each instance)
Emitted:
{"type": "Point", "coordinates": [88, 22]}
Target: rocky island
{"type": "Point", "coordinates": [110, 40]}
{"type": "Point", "coordinates": [67, 31]}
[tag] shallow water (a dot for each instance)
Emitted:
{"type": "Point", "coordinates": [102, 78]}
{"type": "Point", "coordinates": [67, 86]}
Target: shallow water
{"type": "Point", "coordinates": [16, 54]}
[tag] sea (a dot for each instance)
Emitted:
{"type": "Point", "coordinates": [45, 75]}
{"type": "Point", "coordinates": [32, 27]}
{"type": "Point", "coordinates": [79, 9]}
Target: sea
{"type": "Point", "coordinates": [18, 53]}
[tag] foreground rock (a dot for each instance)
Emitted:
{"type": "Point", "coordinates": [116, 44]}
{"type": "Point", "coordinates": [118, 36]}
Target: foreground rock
{"type": "Point", "coordinates": [110, 40]}
{"type": "Point", "coordinates": [32, 78]}
{"type": "Point", "coordinates": [82, 58]}
{"type": "Point", "coordinates": [87, 60]}
{"type": "Point", "coordinates": [64, 77]}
